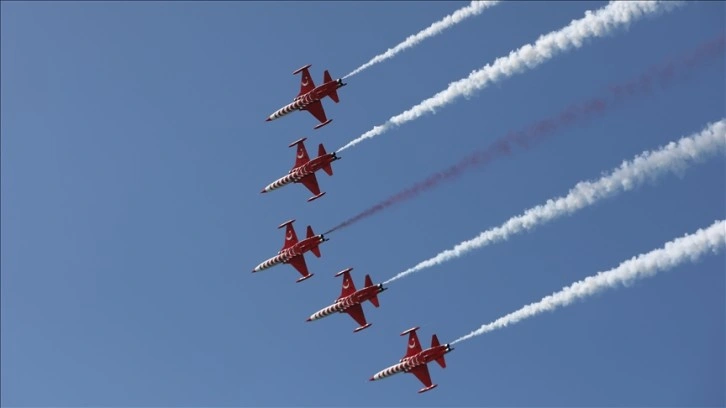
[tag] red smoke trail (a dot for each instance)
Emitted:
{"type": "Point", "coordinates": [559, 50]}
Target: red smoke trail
{"type": "Point", "coordinates": [661, 76]}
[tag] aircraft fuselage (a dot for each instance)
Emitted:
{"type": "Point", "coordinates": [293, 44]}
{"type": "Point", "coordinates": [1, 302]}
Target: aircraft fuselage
{"type": "Point", "coordinates": [408, 363]}
{"type": "Point", "coordinates": [286, 255]}
{"type": "Point", "coordinates": [342, 304]}
{"type": "Point", "coordinates": [301, 101]}
{"type": "Point", "coordinates": [298, 173]}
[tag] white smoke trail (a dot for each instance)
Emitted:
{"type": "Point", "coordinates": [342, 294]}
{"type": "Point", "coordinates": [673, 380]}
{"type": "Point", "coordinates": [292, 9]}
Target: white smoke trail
{"type": "Point", "coordinates": [674, 157]}
{"type": "Point", "coordinates": [686, 248]}
{"type": "Point", "coordinates": [474, 9]}
{"type": "Point", "coordinates": [595, 24]}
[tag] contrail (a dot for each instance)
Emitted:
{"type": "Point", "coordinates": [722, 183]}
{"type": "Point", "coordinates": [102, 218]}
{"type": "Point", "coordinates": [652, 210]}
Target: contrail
{"type": "Point", "coordinates": [674, 157]}
{"type": "Point", "coordinates": [657, 76]}
{"type": "Point", "coordinates": [474, 9]}
{"type": "Point", "coordinates": [595, 24]}
{"type": "Point", "coordinates": [687, 248]}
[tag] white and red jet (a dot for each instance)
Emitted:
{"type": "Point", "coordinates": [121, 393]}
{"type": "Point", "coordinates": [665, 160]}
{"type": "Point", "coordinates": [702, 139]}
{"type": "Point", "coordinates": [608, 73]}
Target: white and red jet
{"type": "Point", "coordinates": [350, 300]}
{"type": "Point", "coordinates": [304, 169]}
{"type": "Point", "coordinates": [292, 251]}
{"type": "Point", "coordinates": [310, 97]}
{"type": "Point", "coordinates": [415, 361]}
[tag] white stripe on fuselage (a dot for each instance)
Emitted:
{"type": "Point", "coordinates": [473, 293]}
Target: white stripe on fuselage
{"type": "Point", "coordinates": [282, 181]}
{"type": "Point", "coordinates": [295, 176]}
{"type": "Point", "coordinates": [271, 262]}
{"type": "Point", "coordinates": [340, 306]}
{"type": "Point", "coordinates": [296, 105]}
{"type": "Point", "coordinates": [394, 369]}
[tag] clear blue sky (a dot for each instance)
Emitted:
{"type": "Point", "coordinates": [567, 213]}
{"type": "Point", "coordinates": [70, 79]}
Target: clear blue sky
{"type": "Point", "coordinates": [134, 148]}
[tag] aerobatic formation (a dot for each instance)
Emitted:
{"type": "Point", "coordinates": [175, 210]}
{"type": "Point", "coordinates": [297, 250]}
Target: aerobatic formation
{"type": "Point", "coordinates": [293, 251]}
{"type": "Point", "coordinates": [351, 300]}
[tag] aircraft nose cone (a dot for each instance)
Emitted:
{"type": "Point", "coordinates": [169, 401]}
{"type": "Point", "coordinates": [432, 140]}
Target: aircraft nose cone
{"type": "Point", "coordinates": [268, 119]}
{"type": "Point", "coordinates": [309, 320]}
{"type": "Point", "coordinates": [264, 190]}
{"type": "Point", "coordinates": [372, 378]}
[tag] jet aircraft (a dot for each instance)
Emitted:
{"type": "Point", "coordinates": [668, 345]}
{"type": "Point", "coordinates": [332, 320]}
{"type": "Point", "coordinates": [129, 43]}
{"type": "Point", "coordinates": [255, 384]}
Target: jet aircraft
{"type": "Point", "coordinates": [304, 169]}
{"type": "Point", "coordinates": [415, 361]}
{"type": "Point", "coordinates": [310, 97]}
{"type": "Point", "coordinates": [350, 300]}
{"type": "Point", "coordinates": [292, 251]}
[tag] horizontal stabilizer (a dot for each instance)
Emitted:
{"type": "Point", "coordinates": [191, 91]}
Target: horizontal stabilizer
{"type": "Point", "coordinates": [295, 143]}
{"type": "Point", "coordinates": [316, 251]}
{"type": "Point", "coordinates": [343, 271]}
{"type": "Point", "coordinates": [334, 96]}
{"type": "Point", "coordinates": [413, 329]}
{"type": "Point", "coordinates": [429, 388]}
{"type": "Point", "coordinates": [328, 169]}
{"type": "Point", "coordinates": [318, 126]}
{"type": "Point", "coordinates": [297, 71]}
{"type": "Point", "coordinates": [315, 197]}
{"type": "Point", "coordinates": [357, 329]}
{"type": "Point", "coordinates": [304, 277]}
{"type": "Point", "coordinates": [284, 224]}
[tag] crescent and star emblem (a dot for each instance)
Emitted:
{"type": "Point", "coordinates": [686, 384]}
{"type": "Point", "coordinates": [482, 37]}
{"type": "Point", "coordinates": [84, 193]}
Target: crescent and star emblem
{"type": "Point", "coordinates": [289, 236]}
{"type": "Point", "coordinates": [305, 82]}
{"type": "Point", "coordinates": [300, 154]}
{"type": "Point", "coordinates": [412, 344]}
{"type": "Point", "coordinates": [346, 284]}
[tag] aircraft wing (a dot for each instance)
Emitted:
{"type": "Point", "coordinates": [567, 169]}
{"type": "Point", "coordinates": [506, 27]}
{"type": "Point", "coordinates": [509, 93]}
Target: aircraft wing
{"type": "Point", "coordinates": [302, 155]}
{"type": "Point", "coordinates": [414, 346]}
{"type": "Point", "coordinates": [422, 373]}
{"type": "Point", "coordinates": [298, 263]}
{"type": "Point", "coordinates": [311, 182]}
{"type": "Point", "coordinates": [316, 109]}
{"type": "Point", "coordinates": [356, 312]}
{"type": "Point", "coordinates": [290, 237]}
{"type": "Point", "coordinates": [348, 286]}
{"type": "Point", "coordinates": [306, 82]}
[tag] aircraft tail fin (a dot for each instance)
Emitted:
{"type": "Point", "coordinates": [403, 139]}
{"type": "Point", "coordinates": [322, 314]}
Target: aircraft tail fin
{"type": "Point", "coordinates": [316, 249]}
{"type": "Point", "coordinates": [326, 168]}
{"type": "Point", "coordinates": [368, 281]}
{"type": "Point", "coordinates": [435, 343]}
{"type": "Point", "coordinates": [374, 298]}
{"type": "Point", "coordinates": [333, 93]}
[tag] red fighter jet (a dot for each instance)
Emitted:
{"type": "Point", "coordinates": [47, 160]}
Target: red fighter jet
{"type": "Point", "coordinates": [416, 359]}
{"type": "Point", "coordinates": [350, 300]}
{"type": "Point", "coordinates": [310, 96]}
{"type": "Point", "coordinates": [304, 169]}
{"type": "Point", "coordinates": [292, 251]}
